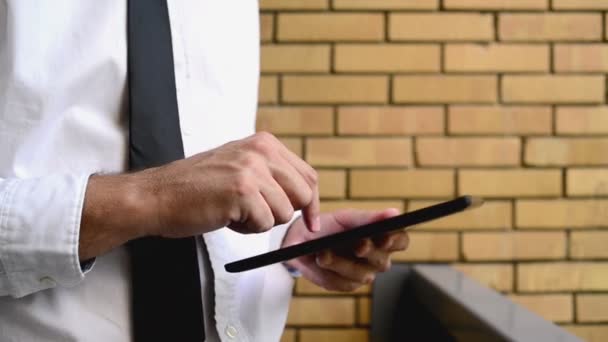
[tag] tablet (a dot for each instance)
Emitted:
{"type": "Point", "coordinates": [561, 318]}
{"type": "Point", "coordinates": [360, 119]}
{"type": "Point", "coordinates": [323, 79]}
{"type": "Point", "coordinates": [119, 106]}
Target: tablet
{"type": "Point", "coordinates": [350, 236]}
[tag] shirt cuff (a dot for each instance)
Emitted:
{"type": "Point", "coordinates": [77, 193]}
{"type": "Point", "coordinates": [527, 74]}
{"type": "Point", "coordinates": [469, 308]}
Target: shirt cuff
{"type": "Point", "coordinates": [39, 233]}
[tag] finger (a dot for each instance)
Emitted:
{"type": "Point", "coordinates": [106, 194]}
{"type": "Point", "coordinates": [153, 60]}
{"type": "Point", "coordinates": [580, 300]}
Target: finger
{"type": "Point", "coordinates": [363, 247]}
{"type": "Point", "coordinates": [354, 218]}
{"type": "Point", "coordinates": [277, 200]}
{"type": "Point", "coordinates": [256, 216]}
{"type": "Point", "coordinates": [298, 191]}
{"type": "Point", "coordinates": [348, 268]}
{"type": "Point", "coordinates": [332, 281]}
{"type": "Point", "coordinates": [312, 210]}
{"type": "Point", "coordinates": [378, 259]}
{"type": "Point", "coordinates": [393, 241]}
{"type": "Point", "coordinates": [400, 242]}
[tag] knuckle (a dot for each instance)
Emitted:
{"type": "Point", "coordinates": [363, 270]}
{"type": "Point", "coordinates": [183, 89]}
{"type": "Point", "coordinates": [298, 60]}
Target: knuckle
{"type": "Point", "coordinates": [243, 185]}
{"type": "Point", "coordinates": [284, 215]}
{"type": "Point", "coordinates": [303, 197]}
{"type": "Point", "coordinates": [266, 223]}
{"type": "Point", "coordinates": [312, 176]}
{"type": "Point", "coordinates": [264, 135]}
{"type": "Point", "coordinates": [249, 160]}
{"type": "Point", "coordinates": [263, 142]}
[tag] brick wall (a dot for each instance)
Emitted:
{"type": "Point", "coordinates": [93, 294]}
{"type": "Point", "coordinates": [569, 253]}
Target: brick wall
{"type": "Point", "coordinates": [401, 103]}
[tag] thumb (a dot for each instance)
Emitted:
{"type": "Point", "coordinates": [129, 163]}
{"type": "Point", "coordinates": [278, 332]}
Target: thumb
{"type": "Point", "coordinates": [352, 218]}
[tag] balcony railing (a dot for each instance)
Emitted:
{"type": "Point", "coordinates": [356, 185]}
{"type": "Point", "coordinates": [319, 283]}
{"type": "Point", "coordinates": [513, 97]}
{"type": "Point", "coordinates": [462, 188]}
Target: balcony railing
{"type": "Point", "coordinates": [439, 303]}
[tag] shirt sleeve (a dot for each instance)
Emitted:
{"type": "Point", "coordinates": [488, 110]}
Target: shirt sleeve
{"type": "Point", "coordinates": [39, 233]}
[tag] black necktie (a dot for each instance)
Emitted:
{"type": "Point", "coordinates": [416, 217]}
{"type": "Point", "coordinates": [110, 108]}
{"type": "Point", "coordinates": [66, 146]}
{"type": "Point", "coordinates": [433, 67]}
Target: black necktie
{"type": "Point", "coordinates": [166, 292]}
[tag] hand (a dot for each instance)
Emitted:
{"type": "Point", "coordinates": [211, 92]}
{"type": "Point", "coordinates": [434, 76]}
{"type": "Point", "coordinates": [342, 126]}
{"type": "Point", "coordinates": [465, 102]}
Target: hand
{"type": "Point", "coordinates": [340, 270]}
{"type": "Point", "coordinates": [249, 185]}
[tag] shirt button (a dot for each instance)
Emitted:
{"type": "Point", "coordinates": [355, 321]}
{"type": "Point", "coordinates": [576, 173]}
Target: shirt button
{"type": "Point", "coordinates": [231, 331]}
{"type": "Point", "coordinates": [47, 281]}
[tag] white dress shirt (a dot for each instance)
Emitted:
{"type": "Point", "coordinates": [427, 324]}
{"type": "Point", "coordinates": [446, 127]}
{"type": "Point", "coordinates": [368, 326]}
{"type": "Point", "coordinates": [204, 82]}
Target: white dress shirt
{"type": "Point", "coordinates": [62, 118]}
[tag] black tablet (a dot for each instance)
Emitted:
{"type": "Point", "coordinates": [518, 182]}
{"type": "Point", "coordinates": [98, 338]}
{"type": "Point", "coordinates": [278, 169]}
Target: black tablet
{"type": "Point", "coordinates": [343, 239]}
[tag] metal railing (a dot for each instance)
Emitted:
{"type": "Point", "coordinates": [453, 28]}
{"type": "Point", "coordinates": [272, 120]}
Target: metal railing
{"type": "Point", "coordinates": [439, 303]}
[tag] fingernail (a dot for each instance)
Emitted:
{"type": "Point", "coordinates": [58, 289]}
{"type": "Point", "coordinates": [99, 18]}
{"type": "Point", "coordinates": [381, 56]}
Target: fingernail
{"type": "Point", "coordinates": [324, 259]}
{"type": "Point", "coordinates": [316, 225]}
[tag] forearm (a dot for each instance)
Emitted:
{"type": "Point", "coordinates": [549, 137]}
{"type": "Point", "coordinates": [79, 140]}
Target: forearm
{"type": "Point", "coordinates": [115, 211]}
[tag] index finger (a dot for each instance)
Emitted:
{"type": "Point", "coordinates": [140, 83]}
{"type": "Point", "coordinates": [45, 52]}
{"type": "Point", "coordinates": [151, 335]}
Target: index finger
{"type": "Point", "coordinates": [310, 213]}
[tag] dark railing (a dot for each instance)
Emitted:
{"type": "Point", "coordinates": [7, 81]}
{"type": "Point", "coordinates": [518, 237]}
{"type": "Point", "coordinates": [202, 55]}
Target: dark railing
{"type": "Point", "coordinates": [439, 303]}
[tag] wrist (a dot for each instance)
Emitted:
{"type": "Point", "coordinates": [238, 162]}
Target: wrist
{"type": "Point", "coordinates": [139, 213]}
{"type": "Point", "coordinates": [114, 212]}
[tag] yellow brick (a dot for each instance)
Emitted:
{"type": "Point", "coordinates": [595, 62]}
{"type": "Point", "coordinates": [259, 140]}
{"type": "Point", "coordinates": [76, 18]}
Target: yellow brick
{"type": "Point", "coordinates": [566, 214]}
{"type": "Point", "coordinates": [497, 57]}
{"type": "Point", "coordinates": [511, 183]}
{"type": "Point", "coordinates": [566, 151]}
{"type": "Point", "coordinates": [385, 4]}
{"type": "Point", "coordinates": [562, 276]}
{"type": "Point", "coordinates": [584, 120]}
{"type": "Point", "coordinates": [268, 90]}
{"type": "Point", "coordinates": [321, 311]}
{"type": "Point", "coordinates": [592, 307]}
{"type": "Point", "coordinates": [429, 247]}
{"type": "Point", "coordinates": [266, 27]}
{"type": "Point", "coordinates": [491, 215]}
{"type": "Point", "coordinates": [550, 27]}
{"type": "Point", "coordinates": [581, 57]}
{"type": "Point", "coordinates": [590, 333]}
{"type": "Point", "coordinates": [305, 287]}
{"type": "Point", "coordinates": [327, 26]}
{"type": "Point", "coordinates": [441, 27]}
{"type": "Point", "coordinates": [417, 120]}
{"type": "Point", "coordinates": [589, 245]}
{"type": "Point", "coordinates": [513, 246]}
{"type": "Point", "coordinates": [335, 89]}
{"type": "Point", "coordinates": [293, 4]}
{"type": "Point", "coordinates": [495, 4]}
{"type": "Point", "coordinates": [365, 310]}
{"type": "Point", "coordinates": [359, 151]}
{"type": "Point", "coordinates": [444, 89]}
{"type": "Point", "coordinates": [552, 307]}
{"type": "Point", "coordinates": [329, 206]}
{"type": "Point", "coordinates": [402, 184]}
{"type": "Point", "coordinates": [468, 151]}
{"type": "Point", "coordinates": [332, 183]}
{"type": "Point", "coordinates": [496, 276]}
{"type": "Point", "coordinates": [507, 120]}
{"type": "Point", "coordinates": [553, 89]}
{"type": "Point", "coordinates": [293, 144]}
{"type": "Point", "coordinates": [381, 58]}
{"type": "Point", "coordinates": [295, 120]}
{"type": "Point", "coordinates": [580, 4]}
{"type": "Point", "coordinates": [334, 335]}
{"type": "Point", "coordinates": [295, 58]}
{"type": "Point", "coordinates": [289, 335]}
{"type": "Point", "coordinates": [587, 182]}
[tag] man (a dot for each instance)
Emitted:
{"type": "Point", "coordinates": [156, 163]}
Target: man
{"type": "Point", "coordinates": [68, 206]}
